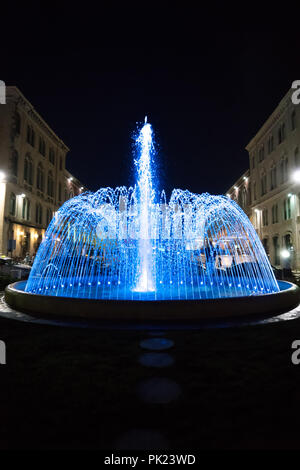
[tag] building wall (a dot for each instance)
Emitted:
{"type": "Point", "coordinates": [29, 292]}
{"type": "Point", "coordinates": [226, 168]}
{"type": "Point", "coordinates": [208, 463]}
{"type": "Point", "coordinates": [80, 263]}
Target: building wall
{"type": "Point", "coordinates": [23, 161]}
{"type": "Point", "coordinates": [274, 156]}
{"type": "Point", "coordinates": [241, 192]}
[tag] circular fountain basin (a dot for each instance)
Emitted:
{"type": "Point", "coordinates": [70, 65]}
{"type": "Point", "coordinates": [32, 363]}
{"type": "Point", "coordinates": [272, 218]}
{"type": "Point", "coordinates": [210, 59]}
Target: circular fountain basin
{"type": "Point", "coordinates": [150, 310]}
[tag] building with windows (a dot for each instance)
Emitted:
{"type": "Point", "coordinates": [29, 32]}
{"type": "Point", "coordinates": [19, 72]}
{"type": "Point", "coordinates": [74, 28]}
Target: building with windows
{"type": "Point", "coordinates": [274, 184]}
{"type": "Point", "coordinates": [34, 181]}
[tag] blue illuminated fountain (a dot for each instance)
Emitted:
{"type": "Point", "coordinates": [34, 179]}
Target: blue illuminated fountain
{"type": "Point", "coordinates": [131, 244]}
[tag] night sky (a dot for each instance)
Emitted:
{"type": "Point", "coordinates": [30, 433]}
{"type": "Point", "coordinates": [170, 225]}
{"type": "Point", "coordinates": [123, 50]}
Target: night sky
{"type": "Point", "coordinates": [206, 94]}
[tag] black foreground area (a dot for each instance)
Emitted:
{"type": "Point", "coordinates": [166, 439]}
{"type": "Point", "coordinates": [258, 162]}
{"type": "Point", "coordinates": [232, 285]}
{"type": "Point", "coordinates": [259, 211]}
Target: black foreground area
{"type": "Point", "coordinates": [74, 388]}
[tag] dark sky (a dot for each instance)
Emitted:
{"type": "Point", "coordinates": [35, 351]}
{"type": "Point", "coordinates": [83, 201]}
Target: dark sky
{"type": "Point", "coordinates": [205, 93]}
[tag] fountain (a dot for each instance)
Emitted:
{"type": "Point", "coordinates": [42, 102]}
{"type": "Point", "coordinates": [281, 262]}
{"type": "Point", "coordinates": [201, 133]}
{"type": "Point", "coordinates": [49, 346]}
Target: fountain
{"type": "Point", "coordinates": [127, 253]}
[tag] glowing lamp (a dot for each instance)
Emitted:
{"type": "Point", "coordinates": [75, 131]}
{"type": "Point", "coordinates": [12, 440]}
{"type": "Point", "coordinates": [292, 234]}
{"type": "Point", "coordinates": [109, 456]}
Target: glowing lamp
{"type": "Point", "coordinates": [296, 176]}
{"type": "Point", "coordinates": [285, 254]}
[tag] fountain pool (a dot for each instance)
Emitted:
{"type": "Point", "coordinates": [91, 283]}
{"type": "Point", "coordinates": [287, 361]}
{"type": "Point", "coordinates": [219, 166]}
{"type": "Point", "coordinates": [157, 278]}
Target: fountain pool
{"type": "Point", "coordinates": [130, 253]}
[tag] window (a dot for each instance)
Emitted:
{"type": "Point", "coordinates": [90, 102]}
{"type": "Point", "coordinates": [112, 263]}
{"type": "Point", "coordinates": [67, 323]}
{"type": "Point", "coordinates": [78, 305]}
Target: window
{"type": "Point", "coordinates": [26, 209]}
{"type": "Point", "coordinates": [276, 250]}
{"type": "Point", "coordinates": [287, 208]}
{"type": "Point", "coordinates": [244, 197]}
{"type": "Point", "coordinates": [266, 245]}
{"type": "Point", "coordinates": [273, 178]}
{"type": "Point", "coordinates": [17, 123]}
{"type": "Point", "coordinates": [28, 169]}
{"type": "Point", "coordinates": [263, 184]}
{"type": "Point", "coordinates": [59, 191]}
{"type": "Point", "coordinates": [30, 136]}
{"type": "Point", "coordinates": [50, 185]}
{"type": "Point", "coordinates": [252, 161]}
{"type": "Point", "coordinates": [293, 120]}
{"type": "Point", "coordinates": [40, 180]}
{"type": "Point", "coordinates": [39, 214]}
{"type": "Point", "coordinates": [286, 168]}
{"type": "Point", "coordinates": [42, 146]}
{"type": "Point", "coordinates": [275, 214]}
{"type": "Point", "coordinates": [12, 204]}
{"type": "Point", "coordinates": [261, 154]}
{"type": "Point", "coordinates": [287, 240]}
{"type": "Point", "coordinates": [265, 217]}
{"type": "Point", "coordinates": [48, 216]}
{"type": "Point", "coordinates": [281, 133]}
{"type": "Point", "coordinates": [14, 163]}
{"type": "Point", "coordinates": [60, 163]}
{"type": "Point", "coordinates": [284, 165]}
{"type": "Point", "coordinates": [270, 144]}
{"type": "Point", "coordinates": [254, 191]}
{"type": "Point", "coordinates": [297, 158]}
{"type": "Point", "coordinates": [51, 156]}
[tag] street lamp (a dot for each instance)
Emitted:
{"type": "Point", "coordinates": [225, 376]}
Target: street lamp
{"type": "Point", "coordinates": [296, 176]}
{"type": "Point", "coordinates": [285, 254]}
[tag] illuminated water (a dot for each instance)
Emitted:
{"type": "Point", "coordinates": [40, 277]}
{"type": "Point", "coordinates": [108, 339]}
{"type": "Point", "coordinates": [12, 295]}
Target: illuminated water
{"type": "Point", "coordinates": [133, 244]}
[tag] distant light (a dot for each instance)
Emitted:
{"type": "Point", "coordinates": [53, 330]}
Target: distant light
{"type": "Point", "coordinates": [285, 254]}
{"type": "Point", "coordinates": [289, 195]}
{"type": "Point", "coordinates": [22, 195]}
{"type": "Point", "coordinates": [81, 188]}
{"type": "Point", "coordinates": [296, 176]}
{"type": "Point", "coordinates": [2, 176]}
{"type": "Point", "coordinates": [256, 210]}
{"type": "Point", "coordinates": [228, 195]}
{"type": "Point", "coordinates": [70, 179]}
{"type": "Point", "coordinates": [235, 187]}
{"type": "Point", "coordinates": [245, 178]}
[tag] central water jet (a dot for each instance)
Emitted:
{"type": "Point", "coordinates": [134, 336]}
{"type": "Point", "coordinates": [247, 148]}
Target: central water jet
{"type": "Point", "coordinates": [145, 277]}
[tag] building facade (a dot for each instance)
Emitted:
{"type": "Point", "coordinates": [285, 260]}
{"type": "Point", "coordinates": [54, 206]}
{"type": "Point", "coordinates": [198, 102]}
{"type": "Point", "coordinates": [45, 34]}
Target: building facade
{"type": "Point", "coordinates": [34, 181]}
{"type": "Point", "coordinates": [274, 184]}
{"type": "Point", "coordinates": [241, 192]}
